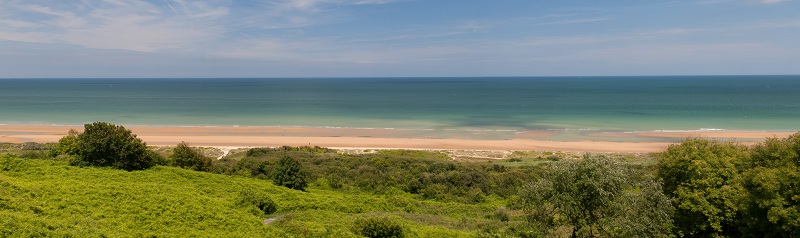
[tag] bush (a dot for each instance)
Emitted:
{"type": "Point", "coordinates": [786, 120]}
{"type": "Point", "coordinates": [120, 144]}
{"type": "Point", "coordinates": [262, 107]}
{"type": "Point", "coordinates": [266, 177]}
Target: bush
{"type": "Point", "coordinates": [33, 154]}
{"type": "Point", "coordinates": [67, 145]}
{"type": "Point", "coordinates": [186, 157]}
{"type": "Point", "coordinates": [158, 159]}
{"type": "Point", "coordinates": [553, 158]}
{"type": "Point", "coordinates": [31, 146]}
{"type": "Point", "coordinates": [288, 174]}
{"type": "Point", "coordinates": [105, 144]}
{"type": "Point", "coordinates": [596, 196]}
{"type": "Point", "coordinates": [501, 214]}
{"type": "Point", "coordinates": [772, 182]}
{"type": "Point", "coordinates": [259, 204]}
{"type": "Point", "coordinates": [378, 227]}
{"type": "Point", "coordinates": [702, 178]}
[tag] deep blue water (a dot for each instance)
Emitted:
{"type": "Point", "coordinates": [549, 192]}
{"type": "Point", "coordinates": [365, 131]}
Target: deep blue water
{"type": "Point", "coordinates": [495, 103]}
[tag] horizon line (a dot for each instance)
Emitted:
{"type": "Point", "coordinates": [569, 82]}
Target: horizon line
{"type": "Point", "coordinates": [411, 77]}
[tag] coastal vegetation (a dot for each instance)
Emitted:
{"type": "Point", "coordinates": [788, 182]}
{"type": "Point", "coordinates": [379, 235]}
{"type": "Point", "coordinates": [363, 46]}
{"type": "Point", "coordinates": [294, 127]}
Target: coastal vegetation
{"type": "Point", "coordinates": [729, 190]}
{"type": "Point", "coordinates": [106, 145]}
{"type": "Point", "coordinates": [187, 157]}
{"type": "Point", "coordinates": [696, 188]}
{"type": "Point", "coordinates": [597, 196]}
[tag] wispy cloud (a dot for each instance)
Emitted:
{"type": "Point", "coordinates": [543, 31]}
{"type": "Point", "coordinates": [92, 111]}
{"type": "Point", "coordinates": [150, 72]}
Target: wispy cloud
{"type": "Point", "coordinates": [156, 25]}
{"type": "Point", "coordinates": [741, 1]}
{"type": "Point", "coordinates": [113, 24]}
{"type": "Point", "coordinates": [572, 21]}
{"type": "Point", "coordinates": [772, 1]}
{"type": "Point", "coordinates": [544, 20]}
{"type": "Point", "coordinates": [343, 35]}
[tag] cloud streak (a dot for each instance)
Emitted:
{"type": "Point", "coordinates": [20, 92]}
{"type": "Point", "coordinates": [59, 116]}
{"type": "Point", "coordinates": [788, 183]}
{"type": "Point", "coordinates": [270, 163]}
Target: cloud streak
{"type": "Point", "coordinates": [352, 36]}
{"type": "Point", "coordinates": [113, 24]}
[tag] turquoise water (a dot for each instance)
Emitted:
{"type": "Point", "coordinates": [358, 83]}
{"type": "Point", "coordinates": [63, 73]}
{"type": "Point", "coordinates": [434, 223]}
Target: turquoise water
{"type": "Point", "coordinates": [440, 105]}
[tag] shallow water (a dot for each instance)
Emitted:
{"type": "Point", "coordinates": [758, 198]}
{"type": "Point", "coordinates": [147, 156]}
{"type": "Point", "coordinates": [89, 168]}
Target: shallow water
{"type": "Point", "coordinates": [488, 107]}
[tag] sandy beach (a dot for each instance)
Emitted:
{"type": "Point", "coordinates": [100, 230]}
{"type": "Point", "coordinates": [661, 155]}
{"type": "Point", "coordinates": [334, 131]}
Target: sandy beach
{"type": "Point", "coordinates": [256, 136]}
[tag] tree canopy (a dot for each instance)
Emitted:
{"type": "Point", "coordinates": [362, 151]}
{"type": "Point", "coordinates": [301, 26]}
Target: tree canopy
{"type": "Point", "coordinates": [725, 189]}
{"type": "Point", "coordinates": [107, 145]}
{"type": "Point", "coordinates": [186, 157]}
{"type": "Point", "coordinates": [701, 175]}
{"type": "Point", "coordinates": [772, 182]}
{"type": "Point", "coordinates": [597, 196]}
{"type": "Point", "coordinates": [288, 174]}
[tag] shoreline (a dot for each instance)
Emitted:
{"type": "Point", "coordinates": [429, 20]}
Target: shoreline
{"type": "Point", "coordinates": [346, 138]}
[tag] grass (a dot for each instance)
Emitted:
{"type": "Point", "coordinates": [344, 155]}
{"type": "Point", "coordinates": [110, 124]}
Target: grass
{"type": "Point", "coordinates": [49, 198]}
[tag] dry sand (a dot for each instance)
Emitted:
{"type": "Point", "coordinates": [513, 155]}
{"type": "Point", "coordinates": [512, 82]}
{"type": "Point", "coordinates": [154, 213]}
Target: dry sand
{"type": "Point", "coordinates": [229, 136]}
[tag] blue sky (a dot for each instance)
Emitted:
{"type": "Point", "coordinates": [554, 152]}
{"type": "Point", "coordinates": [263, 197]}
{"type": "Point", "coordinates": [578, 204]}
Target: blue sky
{"type": "Point", "coordinates": [364, 38]}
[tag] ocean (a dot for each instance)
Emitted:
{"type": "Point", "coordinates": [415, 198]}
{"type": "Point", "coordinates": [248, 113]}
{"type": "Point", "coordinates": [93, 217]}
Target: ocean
{"type": "Point", "coordinates": [433, 106]}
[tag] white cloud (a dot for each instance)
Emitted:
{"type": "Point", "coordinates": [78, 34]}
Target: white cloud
{"type": "Point", "coordinates": [18, 24]}
{"type": "Point", "coordinates": [149, 26]}
{"type": "Point", "coordinates": [572, 21]}
{"type": "Point", "coordinates": [772, 1]}
{"type": "Point", "coordinates": [749, 1]}
{"type": "Point", "coordinates": [62, 18]}
{"type": "Point", "coordinates": [261, 33]}
{"type": "Point", "coordinates": [114, 24]}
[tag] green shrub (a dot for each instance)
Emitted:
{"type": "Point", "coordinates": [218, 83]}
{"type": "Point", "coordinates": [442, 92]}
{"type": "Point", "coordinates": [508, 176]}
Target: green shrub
{"type": "Point", "coordinates": [67, 145]}
{"type": "Point", "coordinates": [158, 159]}
{"type": "Point", "coordinates": [702, 177]}
{"type": "Point", "coordinates": [186, 157]}
{"type": "Point", "coordinates": [107, 145]}
{"type": "Point", "coordinates": [288, 174]}
{"type": "Point", "coordinates": [33, 154]}
{"type": "Point", "coordinates": [501, 214]}
{"type": "Point", "coordinates": [31, 146]}
{"type": "Point", "coordinates": [378, 227]}
{"type": "Point", "coordinates": [596, 196]}
{"type": "Point", "coordinates": [772, 180]}
{"type": "Point", "coordinates": [260, 204]}
{"type": "Point", "coordinates": [258, 152]}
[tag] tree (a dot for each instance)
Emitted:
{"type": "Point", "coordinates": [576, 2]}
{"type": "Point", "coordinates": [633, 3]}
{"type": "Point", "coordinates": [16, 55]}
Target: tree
{"type": "Point", "coordinates": [67, 145]}
{"type": "Point", "coordinates": [107, 145]}
{"type": "Point", "coordinates": [596, 196]}
{"type": "Point", "coordinates": [702, 178]}
{"type": "Point", "coordinates": [186, 157]}
{"type": "Point", "coordinates": [288, 174]}
{"type": "Point", "coordinates": [772, 182]}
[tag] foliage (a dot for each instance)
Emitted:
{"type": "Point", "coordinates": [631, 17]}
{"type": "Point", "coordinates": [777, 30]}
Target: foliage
{"type": "Point", "coordinates": [288, 174]}
{"type": "Point", "coordinates": [500, 214]}
{"type": "Point", "coordinates": [265, 151]}
{"type": "Point", "coordinates": [48, 198]}
{"type": "Point", "coordinates": [702, 178]}
{"type": "Point", "coordinates": [431, 175]}
{"type": "Point", "coordinates": [596, 196]}
{"type": "Point", "coordinates": [717, 189]}
{"type": "Point", "coordinates": [378, 227]}
{"type": "Point", "coordinates": [186, 157]}
{"type": "Point", "coordinates": [107, 145]}
{"type": "Point", "coordinates": [67, 145]}
{"type": "Point", "coordinates": [772, 181]}
{"type": "Point", "coordinates": [258, 203]}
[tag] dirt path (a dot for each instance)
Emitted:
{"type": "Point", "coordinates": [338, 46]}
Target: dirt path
{"type": "Point", "coordinates": [272, 219]}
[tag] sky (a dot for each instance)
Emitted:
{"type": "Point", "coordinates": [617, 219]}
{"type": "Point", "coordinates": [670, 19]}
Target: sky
{"type": "Point", "coordinates": [396, 38]}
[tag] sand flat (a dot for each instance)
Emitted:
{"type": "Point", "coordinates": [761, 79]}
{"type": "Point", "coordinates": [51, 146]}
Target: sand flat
{"type": "Point", "coordinates": [256, 136]}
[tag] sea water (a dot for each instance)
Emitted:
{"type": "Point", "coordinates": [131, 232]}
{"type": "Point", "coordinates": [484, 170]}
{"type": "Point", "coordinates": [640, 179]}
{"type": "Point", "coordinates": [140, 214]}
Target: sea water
{"type": "Point", "coordinates": [436, 105]}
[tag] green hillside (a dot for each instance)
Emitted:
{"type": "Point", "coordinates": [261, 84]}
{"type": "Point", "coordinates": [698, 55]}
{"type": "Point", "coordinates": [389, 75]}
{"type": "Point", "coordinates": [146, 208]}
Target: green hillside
{"type": "Point", "coordinates": [698, 188]}
{"type": "Point", "coordinates": [49, 198]}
